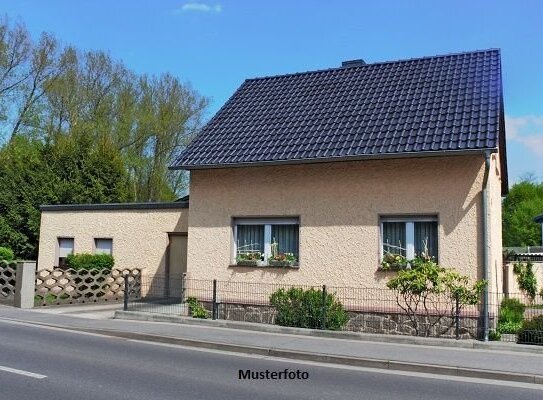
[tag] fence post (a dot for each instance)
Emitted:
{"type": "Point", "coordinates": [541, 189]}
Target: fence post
{"type": "Point", "coordinates": [214, 305]}
{"type": "Point", "coordinates": [25, 284]}
{"type": "Point", "coordinates": [323, 315]}
{"type": "Point", "coordinates": [457, 316]}
{"type": "Point", "coordinates": [125, 306]}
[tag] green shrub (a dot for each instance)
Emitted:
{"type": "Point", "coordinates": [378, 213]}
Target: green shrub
{"type": "Point", "coordinates": [90, 261]}
{"type": "Point", "coordinates": [511, 310]}
{"type": "Point", "coordinates": [304, 309]}
{"type": "Point", "coordinates": [510, 316]}
{"type": "Point", "coordinates": [494, 336]}
{"type": "Point", "coordinates": [527, 282]}
{"type": "Point", "coordinates": [6, 254]}
{"type": "Point", "coordinates": [509, 327]}
{"type": "Point", "coordinates": [196, 309]}
{"type": "Point", "coordinates": [531, 331]}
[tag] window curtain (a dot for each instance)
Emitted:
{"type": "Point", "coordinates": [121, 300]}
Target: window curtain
{"type": "Point", "coordinates": [394, 238]}
{"type": "Point", "coordinates": [103, 246]}
{"type": "Point", "coordinates": [287, 237]}
{"type": "Point", "coordinates": [426, 232]}
{"type": "Point", "coordinates": [250, 238]}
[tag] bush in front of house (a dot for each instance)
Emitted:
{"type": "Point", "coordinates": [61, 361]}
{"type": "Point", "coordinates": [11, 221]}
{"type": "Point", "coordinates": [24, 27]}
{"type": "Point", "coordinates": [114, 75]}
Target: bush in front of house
{"type": "Point", "coordinates": [306, 309]}
{"type": "Point", "coordinates": [90, 261]}
{"type": "Point", "coordinates": [531, 331]}
{"type": "Point", "coordinates": [510, 316]}
{"type": "Point", "coordinates": [196, 309]}
{"type": "Point", "coordinates": [6, 254]}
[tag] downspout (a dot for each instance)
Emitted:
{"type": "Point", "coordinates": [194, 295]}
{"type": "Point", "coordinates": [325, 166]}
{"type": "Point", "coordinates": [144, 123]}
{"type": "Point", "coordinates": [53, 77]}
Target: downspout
{"type": "Point", "coordinates": [485, 246]}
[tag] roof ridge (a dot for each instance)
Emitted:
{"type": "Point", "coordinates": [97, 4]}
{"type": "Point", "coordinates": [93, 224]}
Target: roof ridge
{"type": "Point", "coordinates": [316, 71]}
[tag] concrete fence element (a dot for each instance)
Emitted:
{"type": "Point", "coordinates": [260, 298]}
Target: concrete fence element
{"type": "Point", "coordinates": [25, 283]}
{"type": "Point", "coordinates": [58, 286]}
{"type": "Point", "coordinates": [8, 272]}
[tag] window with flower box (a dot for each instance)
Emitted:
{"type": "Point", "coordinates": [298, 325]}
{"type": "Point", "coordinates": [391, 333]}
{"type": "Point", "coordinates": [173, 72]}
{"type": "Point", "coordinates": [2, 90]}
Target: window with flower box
{"type": "Point", "coordinates": [266, 241]}
{"type": "Point", "coordinates": [409, 237]}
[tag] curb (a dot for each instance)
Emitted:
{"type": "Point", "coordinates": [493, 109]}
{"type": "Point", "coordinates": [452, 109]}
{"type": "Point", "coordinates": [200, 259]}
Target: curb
{"type": "Point", "coordinates": [307, 356]}
{"type": "Point", "coordinates": [366, 337]}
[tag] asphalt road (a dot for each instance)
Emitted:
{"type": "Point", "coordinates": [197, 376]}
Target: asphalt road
{"type": "Point", "coordinates": [71, 365]}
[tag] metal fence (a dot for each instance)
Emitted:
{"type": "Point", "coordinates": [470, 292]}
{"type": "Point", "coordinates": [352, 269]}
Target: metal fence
{"type": "Point", "coordinates": [355, 309]}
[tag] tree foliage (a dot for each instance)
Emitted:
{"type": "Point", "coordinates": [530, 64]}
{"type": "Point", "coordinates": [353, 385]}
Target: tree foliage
{"type": "Point", "coordinates": [427, 293]}
{"type": "Point", "coordinates": [79, 127]}
{"type": "Point", "coordinates": [520, 206]}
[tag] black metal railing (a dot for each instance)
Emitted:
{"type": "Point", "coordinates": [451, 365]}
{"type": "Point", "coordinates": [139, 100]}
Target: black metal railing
{"type": "Point", "coordinates": [512, 317]}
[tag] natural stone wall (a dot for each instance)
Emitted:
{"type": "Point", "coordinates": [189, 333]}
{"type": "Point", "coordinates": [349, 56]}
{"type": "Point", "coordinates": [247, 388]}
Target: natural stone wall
{"type": "Point", "coordinates": [400, 324]}
{"type": "Point", "coordinates": [386, 323]}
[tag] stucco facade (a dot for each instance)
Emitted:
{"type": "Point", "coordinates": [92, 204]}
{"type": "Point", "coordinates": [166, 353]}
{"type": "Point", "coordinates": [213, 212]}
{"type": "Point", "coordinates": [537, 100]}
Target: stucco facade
{"type": "Point", "coordinates": [139, 236]}
{"type": "Point", "coordinates": [339, 206]}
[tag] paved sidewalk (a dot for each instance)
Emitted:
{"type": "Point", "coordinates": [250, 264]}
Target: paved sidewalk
{"type": "Point", "coordinates": [491, 360]}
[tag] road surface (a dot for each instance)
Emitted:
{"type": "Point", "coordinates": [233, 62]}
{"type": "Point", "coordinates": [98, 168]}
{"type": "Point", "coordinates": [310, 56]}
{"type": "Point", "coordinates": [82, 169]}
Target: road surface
{"type": "Point", "coordinates": [43, 363]}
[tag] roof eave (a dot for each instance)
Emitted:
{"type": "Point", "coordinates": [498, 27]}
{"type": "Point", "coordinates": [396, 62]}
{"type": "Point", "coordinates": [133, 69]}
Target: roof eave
{"type": "Point", "coordinates": [115, 206]}
{"type": "Point", "coordinates": [363, 157]}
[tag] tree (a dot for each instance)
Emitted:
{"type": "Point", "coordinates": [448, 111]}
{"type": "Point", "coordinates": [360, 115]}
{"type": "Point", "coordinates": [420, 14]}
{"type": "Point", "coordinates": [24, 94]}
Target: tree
{"type": "Point", "coordinates": [523, 202]}
{"type": "Point", "coordinates": [72, 170]}
{"type": "Point", "coordinates": [427, 293]}
{"type": "Point", "coordinates": [79, 127]}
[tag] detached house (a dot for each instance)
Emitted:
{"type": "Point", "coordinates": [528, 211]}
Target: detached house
{"type": "Point", "coordinates": [334, 168]}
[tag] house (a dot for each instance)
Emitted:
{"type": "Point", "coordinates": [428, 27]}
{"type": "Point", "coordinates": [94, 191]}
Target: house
{"type": "Point", "coordinates": [335, 167]}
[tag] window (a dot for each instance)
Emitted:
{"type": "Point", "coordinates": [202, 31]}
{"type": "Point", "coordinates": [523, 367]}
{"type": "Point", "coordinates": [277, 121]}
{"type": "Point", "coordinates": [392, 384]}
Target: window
{"type": "Point", "coordinates": [103, 246]}
{"type": "Point", "coordinates": [261, 235]}
{"type": "Point", "coordinates": [65, 247]}
{"type": "Point", "coordinates": [409, 236]}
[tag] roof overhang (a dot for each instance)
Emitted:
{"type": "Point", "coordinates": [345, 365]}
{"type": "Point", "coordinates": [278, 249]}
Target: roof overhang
{"type": "Point", "coordinates": [386, 156]}
{"type": "Point", "coordinates": [115, 206]}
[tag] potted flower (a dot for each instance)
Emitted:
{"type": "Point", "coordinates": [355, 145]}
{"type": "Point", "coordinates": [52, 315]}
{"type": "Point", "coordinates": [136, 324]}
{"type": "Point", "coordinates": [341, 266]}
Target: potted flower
{"type": "Point", "coordinates": [282, 260]}
{"type": "Point", "coordinates": [254, 259]}
{"type": "Point", "coordinates": [393, 261]}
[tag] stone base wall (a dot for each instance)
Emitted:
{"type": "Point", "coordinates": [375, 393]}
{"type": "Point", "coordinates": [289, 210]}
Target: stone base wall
{"type": "Point", "coordinates": [386, 323]}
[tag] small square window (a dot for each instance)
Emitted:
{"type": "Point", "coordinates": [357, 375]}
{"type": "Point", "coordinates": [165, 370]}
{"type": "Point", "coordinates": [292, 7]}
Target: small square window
{"type": "Point", "coordinates": [103, 246]}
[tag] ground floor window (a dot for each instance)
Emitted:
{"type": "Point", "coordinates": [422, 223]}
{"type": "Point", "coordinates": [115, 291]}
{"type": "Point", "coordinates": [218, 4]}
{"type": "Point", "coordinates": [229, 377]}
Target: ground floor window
{"type": "Point", "coordinates": [103, 246]}
{"type": "Point", "coordinates": [65, 246]}
{"type": "Point", "coordinates": [265, 238]}
{"type": "Point", "coordinates": [409, 236]}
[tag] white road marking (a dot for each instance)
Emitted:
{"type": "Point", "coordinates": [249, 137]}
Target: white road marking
{"type": "Point", "coordinates": [22, 372]}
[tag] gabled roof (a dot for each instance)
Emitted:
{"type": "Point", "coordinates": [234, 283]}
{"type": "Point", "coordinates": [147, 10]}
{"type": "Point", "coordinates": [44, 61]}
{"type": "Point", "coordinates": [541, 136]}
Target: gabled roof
{"type": "Point", "coordinates": [427, 106]}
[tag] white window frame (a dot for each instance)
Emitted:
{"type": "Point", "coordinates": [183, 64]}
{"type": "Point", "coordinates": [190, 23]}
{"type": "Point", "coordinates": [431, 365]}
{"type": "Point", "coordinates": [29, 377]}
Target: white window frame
{"type": "Point", "coordinates": [94, 248]}
{"type": "Point", "coordinates": [409, 232]}
{"type": "Point", "coordinates": [267, 222]}
{"type": "Point", "coordinates": [57, 252]}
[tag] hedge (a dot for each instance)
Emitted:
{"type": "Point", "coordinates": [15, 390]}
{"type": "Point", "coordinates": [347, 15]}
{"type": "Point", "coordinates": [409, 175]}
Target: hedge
{"type": "Point", "coordinates": [90, 261]}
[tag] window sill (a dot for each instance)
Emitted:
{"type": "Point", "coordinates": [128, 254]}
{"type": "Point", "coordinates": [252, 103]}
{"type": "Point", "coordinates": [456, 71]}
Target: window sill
{"type": "Point", "coordinates": [263, 266]}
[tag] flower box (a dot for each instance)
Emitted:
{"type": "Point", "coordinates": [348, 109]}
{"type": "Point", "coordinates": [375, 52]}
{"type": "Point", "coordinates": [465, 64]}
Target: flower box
{"type": "Point", "coordinates": [248, 263]}
{"type": "Point", "coordinates": [276, 263]}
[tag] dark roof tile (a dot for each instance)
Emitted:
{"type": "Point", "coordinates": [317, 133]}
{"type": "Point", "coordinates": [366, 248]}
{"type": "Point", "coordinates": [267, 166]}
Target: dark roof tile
{"type": "Point", "coordinates": [442, 103]}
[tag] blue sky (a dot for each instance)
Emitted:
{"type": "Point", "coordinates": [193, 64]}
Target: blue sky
{"type": "Point", "coordinates": [216, 44]}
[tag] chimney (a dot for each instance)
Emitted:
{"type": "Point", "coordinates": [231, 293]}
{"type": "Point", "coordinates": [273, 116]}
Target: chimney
{"type": "Point", "coordinates": [353, 63]}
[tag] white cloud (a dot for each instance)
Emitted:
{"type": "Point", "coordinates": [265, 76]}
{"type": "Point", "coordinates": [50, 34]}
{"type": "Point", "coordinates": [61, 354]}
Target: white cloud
{"type": "Point", "coordinates": [527, 130]}
{"type": "Point", "coordinates": [198, 7]}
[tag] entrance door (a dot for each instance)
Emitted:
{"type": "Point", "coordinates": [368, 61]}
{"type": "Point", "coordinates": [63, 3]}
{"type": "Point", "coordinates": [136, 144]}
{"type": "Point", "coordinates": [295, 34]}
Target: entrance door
{"type": "Point", "coordinates": [177, 262]}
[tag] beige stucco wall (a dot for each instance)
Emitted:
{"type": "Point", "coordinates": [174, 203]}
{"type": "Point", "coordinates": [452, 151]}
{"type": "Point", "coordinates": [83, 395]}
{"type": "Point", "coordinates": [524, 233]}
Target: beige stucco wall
{"type": "Point", "coordinates": [339, 205]}
{"type": "Point", "coordinates": [140, 237]}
